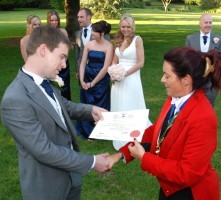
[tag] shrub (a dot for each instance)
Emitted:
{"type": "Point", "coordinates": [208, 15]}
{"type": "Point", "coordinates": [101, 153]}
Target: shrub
{"type": "Point", "coordinates": [110, 8]}
{"type": "Point", "coordinates": [57, 5]}
{"type": "Point", "coordinates": [7, 4]}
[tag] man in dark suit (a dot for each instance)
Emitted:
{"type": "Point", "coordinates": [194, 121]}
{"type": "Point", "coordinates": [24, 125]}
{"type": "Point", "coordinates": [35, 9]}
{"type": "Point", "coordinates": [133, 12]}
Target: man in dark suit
{"type": "Point", "coordinates": [39, 118]}
{"type": "Point", "coordinates": [83, 35]}
{"type": "Point", "coordinates": [204, 41]}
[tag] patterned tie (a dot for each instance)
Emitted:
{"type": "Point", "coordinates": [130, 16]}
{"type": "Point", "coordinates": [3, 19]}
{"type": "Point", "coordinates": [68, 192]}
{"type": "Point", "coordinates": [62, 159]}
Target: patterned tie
{"type": "Point", "coordinates": [48, 89]}
{"type": "Point", "coordinates": [168, 122]}
{"type": "Point", "coordinates": [85, 32]}
{"type": "Point", "coordinates": [205, 39]}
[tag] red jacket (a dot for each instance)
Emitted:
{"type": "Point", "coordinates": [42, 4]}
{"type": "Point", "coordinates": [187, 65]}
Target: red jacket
{"type": "Point", "coordinates": [186, 152]}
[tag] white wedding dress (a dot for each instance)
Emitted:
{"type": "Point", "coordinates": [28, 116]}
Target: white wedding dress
{"type": "Point", "coordinates": [127, 94]}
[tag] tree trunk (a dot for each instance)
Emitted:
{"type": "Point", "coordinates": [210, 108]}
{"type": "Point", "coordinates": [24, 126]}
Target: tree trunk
{"type": "Point", "coordinates": [166, 8]}
{"type": "Point", "coordinates": [71, 8]}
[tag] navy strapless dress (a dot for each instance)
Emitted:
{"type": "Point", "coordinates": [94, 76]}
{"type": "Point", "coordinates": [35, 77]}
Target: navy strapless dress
{"type": "Point", "coordinates": [98, 95]}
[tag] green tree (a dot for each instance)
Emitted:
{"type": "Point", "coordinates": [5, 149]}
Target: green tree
{"type": "Point", "coordinates": [205, 4]}
{"type": "Point", "coordinates": [110, 8]}
{"type": "Point", "coordinates": [210, 4]}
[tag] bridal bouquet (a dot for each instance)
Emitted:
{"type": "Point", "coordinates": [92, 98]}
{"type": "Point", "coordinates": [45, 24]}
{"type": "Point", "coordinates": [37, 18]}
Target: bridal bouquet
{"type": "Point", "coordinates": [116, 72]}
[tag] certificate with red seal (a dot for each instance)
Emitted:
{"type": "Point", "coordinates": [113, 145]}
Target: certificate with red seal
{"type": "Point", "coordinates": [122, 126]}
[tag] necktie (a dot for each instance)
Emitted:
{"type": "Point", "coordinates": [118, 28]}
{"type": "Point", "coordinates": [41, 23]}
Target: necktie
{"type": "Point", "coordinates": [168, 122]}
{"type": "Point", "coordinates": [204, 39]}
{"type": "Point", "coordinates": [48, 89]}
{"type": "Point", "coordinates": [85, 32]}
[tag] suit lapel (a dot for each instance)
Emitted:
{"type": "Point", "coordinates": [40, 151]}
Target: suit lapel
{"type": "Point", "coordinates": [35, 93]}
{"type": "Point", "coordinates": [211, 44]}
{"type": "Point", "coordinates": [197, 41]}
{"type": "Point", "coordinates": [68, 121]}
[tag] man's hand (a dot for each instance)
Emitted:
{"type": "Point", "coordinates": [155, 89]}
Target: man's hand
{"type": "Point", "coordinates": [97, 113]}
{"type": "Point", "coordinates": [102, 163]}
{"type": "Point", "coordinates": [136, 150]}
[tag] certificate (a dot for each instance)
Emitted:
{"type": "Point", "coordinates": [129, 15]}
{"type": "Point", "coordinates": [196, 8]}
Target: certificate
{"type": "Point", "coordinates": [123, 126]}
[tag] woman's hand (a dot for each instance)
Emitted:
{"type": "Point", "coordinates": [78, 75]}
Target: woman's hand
{"type": "Point", "coordinates": [90, 84]}
{"type": "Point", "coordinates": [84, 85]}
{"type": "Point", "coordinates": [136, 150]}
{"type": "Point", "coordinates": [113, 159]}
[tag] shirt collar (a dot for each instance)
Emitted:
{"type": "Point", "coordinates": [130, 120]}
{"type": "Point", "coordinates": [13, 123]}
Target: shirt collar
{"type": "Point", "coordinates": [88, 27]}
{"type": "Point", "coordinates": [202, 34]}
{"type": "Point", "coordinates": [37, 79]}
{"type": "Point", "coordinates": [179, 101]}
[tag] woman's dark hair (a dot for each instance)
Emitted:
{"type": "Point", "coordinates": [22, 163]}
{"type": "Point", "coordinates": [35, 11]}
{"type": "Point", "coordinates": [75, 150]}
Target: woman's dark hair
{"type": "Point", "coordinates": [187, 60]}
{"type": "Point", "coordinates": [101, 27]}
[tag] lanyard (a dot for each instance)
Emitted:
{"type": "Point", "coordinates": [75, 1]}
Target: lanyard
{"type": "Point", "coordinates": [170, 121]}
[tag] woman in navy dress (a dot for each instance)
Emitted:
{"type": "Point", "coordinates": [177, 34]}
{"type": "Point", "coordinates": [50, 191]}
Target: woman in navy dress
{"type": "Point", "coordinates": [94, 79]}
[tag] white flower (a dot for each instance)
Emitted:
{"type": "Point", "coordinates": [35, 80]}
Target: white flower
{"type": "Point", "coordinates": [215, 40]}
{"type": "Point", "coordinates": [116, 72]}
{"type": "Point", "coordinates": [58, 80]}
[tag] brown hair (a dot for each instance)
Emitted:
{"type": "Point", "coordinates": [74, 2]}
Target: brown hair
{"type": "Point", "coordinates": [48, 35]}
{"type": "Point", "coordinates": [49, 14]}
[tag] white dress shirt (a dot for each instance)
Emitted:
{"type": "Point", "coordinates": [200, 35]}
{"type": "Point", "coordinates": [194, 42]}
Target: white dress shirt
{"type": "Point", "coordinates": [180, 101]}
{"type": "Point", "coordinates": [204, 47]}
{"type": "Point", "coordinates": [87, 39]}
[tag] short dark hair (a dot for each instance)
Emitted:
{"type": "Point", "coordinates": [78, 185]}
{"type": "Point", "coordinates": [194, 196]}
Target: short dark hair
{"type": "Point", "coordinates": [48, 35]}
{"type": "Point", "coordinates": [87, 11]}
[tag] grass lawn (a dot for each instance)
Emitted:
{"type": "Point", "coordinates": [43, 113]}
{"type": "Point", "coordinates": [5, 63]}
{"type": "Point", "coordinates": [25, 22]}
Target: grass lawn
{"type": "Point", "coordinates": [160, 32]}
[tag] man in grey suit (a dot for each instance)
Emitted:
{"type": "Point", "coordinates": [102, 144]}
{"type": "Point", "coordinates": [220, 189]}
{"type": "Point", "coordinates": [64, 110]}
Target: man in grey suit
{"type": "Point", "coordinates": [204, 41]}
{"type": "Point", "coordinates": [50, 164]}
{"type": "Point", "coordinates": [83, 35]}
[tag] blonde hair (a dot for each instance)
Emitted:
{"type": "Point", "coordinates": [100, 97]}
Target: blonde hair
{"type": "Point", "coordinates": [119, 37]}
{"type": "Point", "coordinates": [30, 21]}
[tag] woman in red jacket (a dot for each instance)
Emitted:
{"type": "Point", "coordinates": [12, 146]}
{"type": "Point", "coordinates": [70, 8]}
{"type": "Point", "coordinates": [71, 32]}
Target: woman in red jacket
{"type": "Point", "coordinates": [177, 149]}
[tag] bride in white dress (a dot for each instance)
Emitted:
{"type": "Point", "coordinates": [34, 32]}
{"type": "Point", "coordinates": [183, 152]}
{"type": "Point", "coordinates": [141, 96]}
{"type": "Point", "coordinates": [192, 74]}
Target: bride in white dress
{"type": "Point", "coordinates": [129, 52]}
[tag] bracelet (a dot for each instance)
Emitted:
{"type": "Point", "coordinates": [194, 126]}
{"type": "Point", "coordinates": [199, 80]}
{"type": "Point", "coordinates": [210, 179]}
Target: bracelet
{"type": "Point", "coordinates": [90, 84]}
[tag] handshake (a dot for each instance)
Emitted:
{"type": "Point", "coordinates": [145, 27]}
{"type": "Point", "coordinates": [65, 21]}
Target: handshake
{"type": "Point", "coordinates": [105, 161]}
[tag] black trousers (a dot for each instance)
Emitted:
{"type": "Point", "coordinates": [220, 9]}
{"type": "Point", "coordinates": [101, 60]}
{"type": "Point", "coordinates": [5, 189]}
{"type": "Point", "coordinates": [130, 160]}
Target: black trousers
{"type": "Point", "coordinates": [185, 194]}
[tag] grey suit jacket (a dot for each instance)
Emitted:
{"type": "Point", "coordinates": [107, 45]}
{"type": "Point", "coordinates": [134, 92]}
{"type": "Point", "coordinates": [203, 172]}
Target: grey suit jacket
{"type": "Point", "coordinates": [79, 48]}
{"type": "Point", "coordinates": [194, 41]}
{"type": "Point", "coordinates": [43, 141]}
